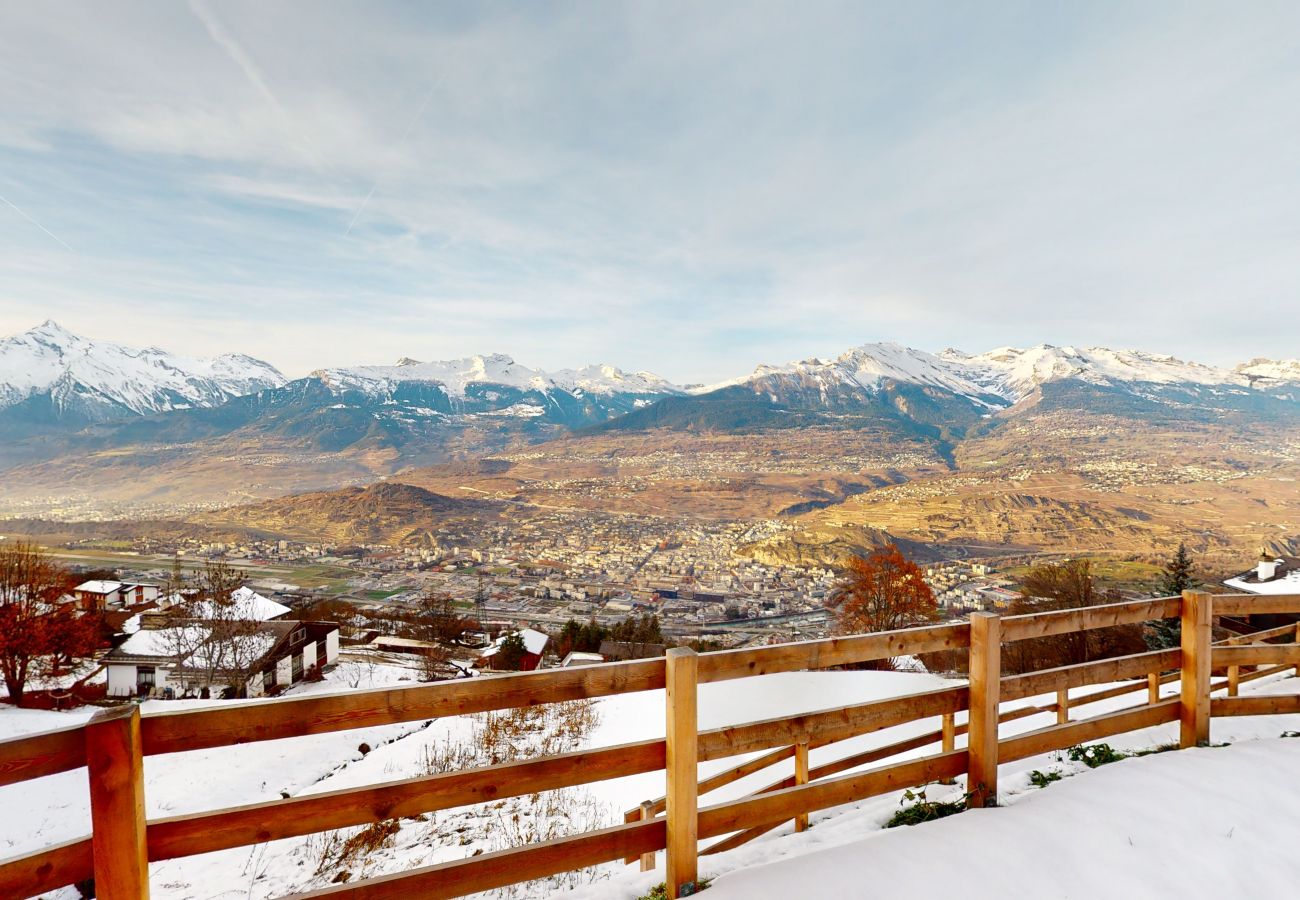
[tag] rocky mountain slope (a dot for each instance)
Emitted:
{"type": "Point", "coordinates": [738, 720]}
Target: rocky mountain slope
{"type": "Point", "coordinates": [166, 432]}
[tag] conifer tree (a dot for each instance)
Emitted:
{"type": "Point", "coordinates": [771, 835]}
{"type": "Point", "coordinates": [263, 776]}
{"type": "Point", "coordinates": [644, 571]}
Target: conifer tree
{"type": "Point", "coordinates": [1177, 577]}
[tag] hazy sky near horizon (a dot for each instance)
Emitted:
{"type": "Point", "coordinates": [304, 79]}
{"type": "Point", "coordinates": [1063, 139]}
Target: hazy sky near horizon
{"type": "Point", "coordinates": [690, 188]}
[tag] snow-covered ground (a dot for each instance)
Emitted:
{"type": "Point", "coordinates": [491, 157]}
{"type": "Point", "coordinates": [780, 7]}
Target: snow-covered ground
{"type": "Point", "coordinates": [53, 809]}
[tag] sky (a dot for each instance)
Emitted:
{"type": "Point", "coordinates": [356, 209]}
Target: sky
{"type": "Point", "coordinates": [681, 187]}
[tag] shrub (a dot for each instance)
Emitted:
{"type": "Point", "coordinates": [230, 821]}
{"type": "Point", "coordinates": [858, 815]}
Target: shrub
{"type": "Point", "coordinates": [660, 890]}
{"type": "Point", "coordinates": [1094, 755]}
{"type": "Point", "coordinates": [1043, 779]}
{"type": "Point", "coordinates": [923, 809]}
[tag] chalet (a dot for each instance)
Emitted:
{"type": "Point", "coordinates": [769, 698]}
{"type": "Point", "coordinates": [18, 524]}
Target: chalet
{"type": "Point", "coordinates": [100, 595]}
{"type": "Point", "coordinates": [1272, 574]}
{"type": "Point", "coordinates": [166, 658]}
{"type": "Point", "coordinates": [534, 646]}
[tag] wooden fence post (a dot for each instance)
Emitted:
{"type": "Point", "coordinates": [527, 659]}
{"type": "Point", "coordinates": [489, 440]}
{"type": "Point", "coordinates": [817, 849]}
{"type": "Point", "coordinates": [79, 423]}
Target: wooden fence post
{"type": "Point", "coordinates": [949, 739]}
{"type": "Point", "coordinates": [1234, 680]}
{"type": "Point", "coordinates": [1062, 706]}
{"type": "Point", "coordinates": [982, 727]}
{"type": "Point", "coordinates": [682, 809]}
{"type": "Point", "coordinates": [1194, 714]}
{"type": "Point", "coordinates": [801, 777]}
{"type": "Point", "coordinates": [1153, 688]}
{"type": "Point", "coordinates": [115, 768]}
{"type": "Point", "coordinates": [1297, 640]}
{"type": "Point", "coordinates": [647, 859]}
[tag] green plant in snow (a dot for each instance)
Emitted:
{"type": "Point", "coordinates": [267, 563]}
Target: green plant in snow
{"type": "Point", "coordinates": [1094, 755]}
{"type": "Point", "coordinates": [923, 809]}
{"type": "Point", "coordinates": [1042, 779]}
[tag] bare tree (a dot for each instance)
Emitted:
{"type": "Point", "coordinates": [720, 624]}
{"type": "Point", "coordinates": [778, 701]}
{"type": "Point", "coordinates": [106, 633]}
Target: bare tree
{"type": "Point", "coordinates": [1067, 585]}
{"type": "Point", "coordinates": [235, 639]}
{"type": "Point", "coordinates": [37, 632]}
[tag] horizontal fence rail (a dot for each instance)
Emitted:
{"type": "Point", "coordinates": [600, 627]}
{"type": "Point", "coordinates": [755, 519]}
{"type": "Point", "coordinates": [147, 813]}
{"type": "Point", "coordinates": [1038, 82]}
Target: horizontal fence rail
{"type": "Point", "coordinates": [113, 743]}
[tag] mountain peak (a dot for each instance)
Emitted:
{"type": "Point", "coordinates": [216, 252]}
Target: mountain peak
{"type": "Point", "coordinates": [103, 381]}
{"type": "Point", "coordinates": [52, 330]}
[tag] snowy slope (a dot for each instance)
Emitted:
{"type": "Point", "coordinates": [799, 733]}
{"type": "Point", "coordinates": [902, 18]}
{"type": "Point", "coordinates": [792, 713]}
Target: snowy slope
{"type": "Point", "coordinates": [1015, 373]}
{"type": "Point", "coordinates": [1266, 373]}
{"type": "Point", "coordinates": [76, 372]}
{"type": "Point", "coordinates": [1250, 797]}
{"type": "Point", "coordinates": [1008, 373]}
{"type": "Point", "coordinates": [1201, 823]}
{"type": "Point", "coordinates": [868, 365]}
{"type": "Point", "coordinates": [456, 375]}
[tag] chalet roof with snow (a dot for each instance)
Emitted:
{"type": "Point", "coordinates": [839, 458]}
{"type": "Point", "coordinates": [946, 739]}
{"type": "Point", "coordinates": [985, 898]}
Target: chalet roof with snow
{"type": "Point", "coordinates": [534, 642]}
{"type": "Point", "coordinates": [99, 587]}
{"type": "Point", "coordinates": [250, 606]}
{"type": "Point", "coordinates": [1284, 577]}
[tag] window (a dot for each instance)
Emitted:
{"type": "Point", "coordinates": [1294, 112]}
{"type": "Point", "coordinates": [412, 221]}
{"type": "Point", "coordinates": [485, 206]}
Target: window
{"type": "Point", "coordinates": [297, 667]}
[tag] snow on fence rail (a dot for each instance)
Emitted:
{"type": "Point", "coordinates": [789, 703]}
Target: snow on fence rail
{"type": "Point", "coordinates": [112, 745]}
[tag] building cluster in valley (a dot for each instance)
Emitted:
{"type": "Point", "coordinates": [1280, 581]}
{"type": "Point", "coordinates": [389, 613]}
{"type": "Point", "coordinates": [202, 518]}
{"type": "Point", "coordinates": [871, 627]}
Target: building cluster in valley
{"type": "Point", "coordinates": [527, 579]}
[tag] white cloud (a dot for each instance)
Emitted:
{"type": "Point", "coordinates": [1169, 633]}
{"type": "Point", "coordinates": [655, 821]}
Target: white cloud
{"type": "Point", "coordinates": [680, 187]}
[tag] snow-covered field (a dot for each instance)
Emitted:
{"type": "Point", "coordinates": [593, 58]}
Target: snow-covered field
{"type": "Point", "coordinates": [1069, 821]}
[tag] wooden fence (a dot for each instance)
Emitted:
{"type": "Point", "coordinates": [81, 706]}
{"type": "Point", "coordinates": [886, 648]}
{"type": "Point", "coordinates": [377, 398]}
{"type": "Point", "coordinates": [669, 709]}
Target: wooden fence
{"type": "Point", "coordinates": [113, 744]}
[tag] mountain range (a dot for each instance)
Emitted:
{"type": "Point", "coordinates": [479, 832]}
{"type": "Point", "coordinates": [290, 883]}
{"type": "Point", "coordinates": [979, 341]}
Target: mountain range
{"type": "Point", "coordinates": [84, 412]}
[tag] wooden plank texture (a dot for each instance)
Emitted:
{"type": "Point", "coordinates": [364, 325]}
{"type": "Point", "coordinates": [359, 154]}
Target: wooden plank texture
{"type": "Point", "coordinates": [264, 720]}
{"type": "Point", "coordinates": [493, 870]}
{"type": "Point", "coordinates": [115, 767]}
{"type": "Point", "coordinates": [1032, 625]}
{"type": "Point", "coordinates": [1102, 671]}
{"type": "Point", "coordinates": [47, 869]}
{"type": "Point", "coordinates": [1058, 737]}
{"type": "Point", "coordinates": [682, 766]}
{"type": "Point", "coordinates": [778, 806]}
{"type": "Point", "coordinates": [727, 664]}
{"type": "Point", "coordinates": [801, 777]}
{"type": "Point", "coordinates": [982, 726]}
{"type": "Point", "coordinates": [1256, 655]}
{"type": "Point", "coordinates": [1274, 705]}
{"type": "Point", "coordinates": [1255, 604]}
{"type": "Point", "coordinates": [259, 822]}
{"type": "Point", "coordinates": [1195, 677]}
{"type": "Point", "coordinates": [828, 726]}
{"type": "Point", "coordinates": [43, 753]}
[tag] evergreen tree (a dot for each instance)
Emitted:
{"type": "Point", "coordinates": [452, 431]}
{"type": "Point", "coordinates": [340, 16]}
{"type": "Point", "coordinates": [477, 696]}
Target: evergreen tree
{"type": "Point", "coordinates": [511, 655]}
{"type": "Point", "coordinates": [1165, 634]}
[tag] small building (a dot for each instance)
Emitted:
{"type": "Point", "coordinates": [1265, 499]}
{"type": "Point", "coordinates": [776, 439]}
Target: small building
{"type": "Point", "coordinates": [98, 595]}
{"type": "Point", "coordinates": [1272, 574]}
{"type": "Point", "coordinates": [579, 658]}
{"type": "Point", "coordinates": [534, 647]}
{"type": "Point", "coordinates": [165, 659]}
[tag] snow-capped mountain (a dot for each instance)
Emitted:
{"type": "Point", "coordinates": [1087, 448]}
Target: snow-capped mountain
{"type": "Point", "coordinates": [494, 386]}
{"type": "Point", "coordinates": [864, 369]}
{"type": "Point", "coordinates": [1011, 374]}
{"type": "Point", "coordinates": [950, 392]}
{"type": "Point", "coordinates": [49, 373]}
{"type": "Point", "coordinates": [1268, 373]}
{"type": "Point", "coordinates": [1014, 373]}
{"type": "Point", "coordinates": [457, 376]}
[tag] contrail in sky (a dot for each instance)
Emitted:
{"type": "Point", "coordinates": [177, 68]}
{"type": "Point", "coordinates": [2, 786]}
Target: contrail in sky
{"type": "Point", "coordinates": [6, 202]}
{"type": "Point", "coordinates": [410, 126]}
{"type": "Point", "coordinates": [253, 73]}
